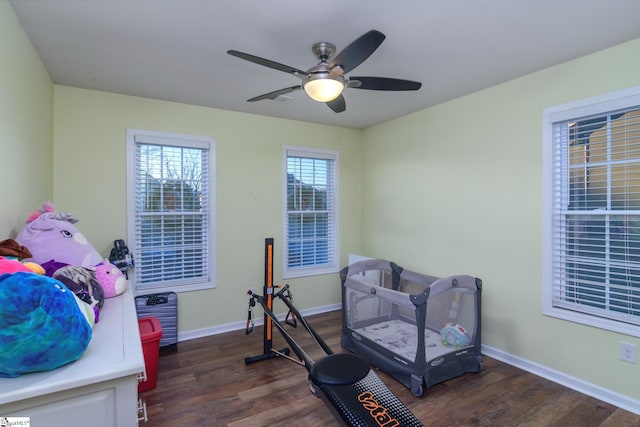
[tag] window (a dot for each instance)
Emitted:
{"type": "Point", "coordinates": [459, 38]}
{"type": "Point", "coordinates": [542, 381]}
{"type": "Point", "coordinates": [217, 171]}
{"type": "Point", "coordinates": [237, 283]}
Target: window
{"type": "Point", "coordinates": [310, 206]}
{"type": "Point", "coordinates": [170, 210]}
{"type": "Point", "coordinates": [591, 226]}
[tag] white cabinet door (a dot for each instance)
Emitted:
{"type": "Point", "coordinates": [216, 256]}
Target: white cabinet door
{"type": "Point", "coordinates": [95, 409]}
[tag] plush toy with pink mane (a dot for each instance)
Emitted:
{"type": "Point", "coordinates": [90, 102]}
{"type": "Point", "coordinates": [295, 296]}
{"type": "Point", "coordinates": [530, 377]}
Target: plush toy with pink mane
{"type": "Point", "coordinates": [52, 236]}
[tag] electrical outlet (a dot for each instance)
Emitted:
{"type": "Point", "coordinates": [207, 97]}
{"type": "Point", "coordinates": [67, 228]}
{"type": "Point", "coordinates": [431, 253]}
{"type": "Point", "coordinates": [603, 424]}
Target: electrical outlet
{"type": "Point", "coordinates": [627, 352]}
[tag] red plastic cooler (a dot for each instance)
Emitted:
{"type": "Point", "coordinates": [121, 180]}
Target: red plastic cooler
{"type": "Point", "coordinates": [150, 334]}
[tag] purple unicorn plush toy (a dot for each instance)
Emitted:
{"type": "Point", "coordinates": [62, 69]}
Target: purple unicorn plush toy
{"type": "Point", "coordinates": [52, 236]}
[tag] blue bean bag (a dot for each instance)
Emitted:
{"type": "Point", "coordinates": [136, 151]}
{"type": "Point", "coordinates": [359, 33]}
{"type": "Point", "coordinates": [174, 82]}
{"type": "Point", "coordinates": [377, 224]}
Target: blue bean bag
{"type": "Point", "coordinates": [42, 324]}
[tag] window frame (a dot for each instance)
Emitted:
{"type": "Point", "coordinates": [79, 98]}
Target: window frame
{"type": "Point", "coordinates": [177, 140]}
{"type": "Point", "coordinates": [333, 264]}
{"type": "Point", "coordinates": [597, 105]}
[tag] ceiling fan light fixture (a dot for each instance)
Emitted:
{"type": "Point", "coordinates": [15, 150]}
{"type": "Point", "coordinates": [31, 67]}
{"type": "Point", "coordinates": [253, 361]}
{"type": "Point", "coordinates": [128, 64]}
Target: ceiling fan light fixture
{"type": "Point", "coordinates": [323, 87]}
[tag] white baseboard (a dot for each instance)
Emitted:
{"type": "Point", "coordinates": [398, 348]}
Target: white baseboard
{"type": "Point", "coordinates": [235, 326]}
{"type": "Point", "coordinates": [600, 393]}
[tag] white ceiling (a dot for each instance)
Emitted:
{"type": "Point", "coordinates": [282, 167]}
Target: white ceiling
{"type": "Point", "coordinates": [175, 50]}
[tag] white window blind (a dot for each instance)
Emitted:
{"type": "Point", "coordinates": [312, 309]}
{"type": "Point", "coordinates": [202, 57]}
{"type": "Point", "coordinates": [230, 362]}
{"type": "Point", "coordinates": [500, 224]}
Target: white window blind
{"type": "Point", "coordinates": [310, 206]}
{"type": "Point", "coordinates": [595, 218]}
{"type": "Point", "coordinates": [172, 213]}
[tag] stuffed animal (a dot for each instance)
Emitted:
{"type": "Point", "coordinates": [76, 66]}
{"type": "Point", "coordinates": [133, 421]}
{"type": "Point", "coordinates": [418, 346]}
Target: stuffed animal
{"type": "Point", "coordinates": [11, 248]}
{"type": "Point", "coordinates": [111, 278]}
{"type": "Point", "coordinates": [82, 282]}
{"type": "Point", "coordinates": [52, 266]}
{"type": "Point", "coordinates": [454, 335]}
{"type": "Point", "coordinates": [42, 324]}
{"type": "Point", "coordinates": [34, 267]}
{"type": "Point", "coordinates": [12, 266]}
{"type": "Point", "coordinates": [52, 236]}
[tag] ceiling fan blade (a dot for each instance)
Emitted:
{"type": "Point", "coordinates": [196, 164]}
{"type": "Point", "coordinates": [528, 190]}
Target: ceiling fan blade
{"type": "Point", "coordinates": [359, 50]}
{"type": "Point", "coordinates": [383, 83]}
{"type": "Point", "coordinates": [276, 93]}
{"type": "Point", "coordinates": [268, 63]}
{"type": "Point", "coordinates": [338, 105]}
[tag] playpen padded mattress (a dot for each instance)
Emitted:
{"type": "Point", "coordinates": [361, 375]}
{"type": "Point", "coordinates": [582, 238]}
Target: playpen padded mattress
{"type": "Point", "coordinates": [401, 338]}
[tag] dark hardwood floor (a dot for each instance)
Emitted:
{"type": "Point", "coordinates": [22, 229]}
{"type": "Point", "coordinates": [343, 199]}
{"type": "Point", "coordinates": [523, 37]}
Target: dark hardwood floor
{"type": "Point", "coordinates": [206, 383]}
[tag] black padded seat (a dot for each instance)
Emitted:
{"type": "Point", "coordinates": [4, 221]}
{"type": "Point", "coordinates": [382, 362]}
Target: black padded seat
{"type": "Point", "coordinates": [339, 369]}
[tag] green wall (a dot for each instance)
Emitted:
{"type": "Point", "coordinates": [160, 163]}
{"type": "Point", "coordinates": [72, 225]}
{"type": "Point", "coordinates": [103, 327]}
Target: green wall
{"type": "Point", "coordinates": [26, 126]}
{"type": "Point", "coordinates": [90, 180]}
{"type": "Point", "coordinates": [458, 189]}
{"type": "Point", "coordinates": [452, 189]}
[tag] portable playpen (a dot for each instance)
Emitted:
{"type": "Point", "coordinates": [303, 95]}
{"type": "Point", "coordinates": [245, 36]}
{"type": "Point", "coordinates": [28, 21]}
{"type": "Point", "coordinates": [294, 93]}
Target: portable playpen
{"type": "Point", "coordinates": [420, 329]}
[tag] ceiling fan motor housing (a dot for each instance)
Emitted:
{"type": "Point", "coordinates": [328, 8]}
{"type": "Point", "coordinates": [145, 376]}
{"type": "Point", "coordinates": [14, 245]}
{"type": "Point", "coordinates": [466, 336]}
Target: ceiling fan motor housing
{"type": "Point", "coordinates": [323, 50]}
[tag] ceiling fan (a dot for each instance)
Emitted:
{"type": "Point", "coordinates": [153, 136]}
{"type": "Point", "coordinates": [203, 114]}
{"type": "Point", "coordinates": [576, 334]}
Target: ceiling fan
{"type": "Point", "coordinates": [326, 81]}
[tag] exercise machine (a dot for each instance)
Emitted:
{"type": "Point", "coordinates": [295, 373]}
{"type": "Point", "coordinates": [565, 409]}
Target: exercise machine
{"type": "Point", "coordinates": [344, 381]}
{"type": "Point", "coordinates": [354, 394]}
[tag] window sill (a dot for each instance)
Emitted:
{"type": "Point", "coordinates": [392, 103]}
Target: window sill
{"type": "Point", "coordinates": [175, 288]}
{"type": "Point", "coordinates": [306, 272]}
{"type": "Point", "coordinates": [593, 321]}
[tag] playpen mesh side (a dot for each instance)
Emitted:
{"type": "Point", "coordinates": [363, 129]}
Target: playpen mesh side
{"type": "Point", "coordinates": [453, 313]}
